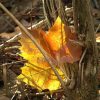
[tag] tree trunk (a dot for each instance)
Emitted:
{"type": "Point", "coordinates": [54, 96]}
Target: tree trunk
{"type": "Point", "coordinates": [83, 74]}
{"type": "Point", "coordinates": [86, 85]}
{"type": "Point", "coordinates": [83, 85]}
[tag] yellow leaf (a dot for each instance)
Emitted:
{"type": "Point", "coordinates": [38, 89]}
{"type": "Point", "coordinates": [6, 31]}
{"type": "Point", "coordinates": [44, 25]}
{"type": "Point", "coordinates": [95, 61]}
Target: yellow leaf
{"type": "Point", "coordinates": [37, 71]}
{"type": "Point", "coordinates": [56, 42]}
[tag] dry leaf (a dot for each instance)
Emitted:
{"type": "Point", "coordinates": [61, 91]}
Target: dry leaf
{"type": "Point", "coordinates": [58, 40]}
{"type": "Point", "coordinates": [37, 71]}
{"type": "Point", "coordinates": [56, 43]}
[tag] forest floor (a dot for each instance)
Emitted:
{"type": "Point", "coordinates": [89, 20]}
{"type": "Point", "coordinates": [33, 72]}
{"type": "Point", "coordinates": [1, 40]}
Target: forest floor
{"type": "Point", "coordinates": [22, 13]}
{"type": "Point", "coordinates": [3, 96]}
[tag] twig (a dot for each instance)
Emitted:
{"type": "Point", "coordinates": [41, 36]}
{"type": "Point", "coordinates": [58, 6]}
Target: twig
{"type": "Point", "coordinates": [39, 24]}
{"type": "Point", "coordinates": [46, 9]}
{"type": "Point", "coordinates": [10, 40]}
{"type": "Point", "coordinates": [12, 47]}
{"type": "Point", "coordinates": [97, 28]}
{"type": "Point", "coordinates": [13, 63]}
{"type": "Point", "coordinates": [43, 93]}
{"type": "Point", "coordinates": [77, 42]}
{"type": "Point", "coordinates": [5, 79]}
{"type": "Point", "coordinates": [96, 3]}
{"type": "Point", "coordinates": [30, 79]}
{"type": "Point", "coordinates": [80, 66]}
{"type": "Point", "coordinates": [68, 10]}
{"type": "Point", "coordinates": [75, 14]}
{"type": "Point", "coordinates": [35, 42]}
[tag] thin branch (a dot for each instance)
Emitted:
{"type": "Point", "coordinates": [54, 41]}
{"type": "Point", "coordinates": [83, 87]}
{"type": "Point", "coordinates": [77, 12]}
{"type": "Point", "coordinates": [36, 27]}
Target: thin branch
{"type": "Point", "coordinates": [10, 40]}
{"type": "Point", "coordinates": [80, 66]}
{"type": "Point", "coordinates": [35, 42]}
{"type": "Point", "coordinates": [30, 79]}
{"type": "Point", "coordinates": [75, 14]}
{"type": "Point", "coordinates": [12, 63]}
{"type": "Point", "coordinates": [77, 42]}
{"type": "Point", "coordinates": [39, 24]}
{"type": "Point", "coordinates": [97, 28]}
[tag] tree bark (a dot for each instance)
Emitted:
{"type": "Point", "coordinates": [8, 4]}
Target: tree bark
{"type": "Point", "coordinates": [83, 74]}
{"type": "Point", "coordinates": [86, 85]}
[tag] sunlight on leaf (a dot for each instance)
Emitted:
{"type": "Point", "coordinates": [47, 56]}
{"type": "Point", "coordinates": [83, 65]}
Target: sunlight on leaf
{"type": "Point", "coordinates": [56, 42]}
{"type": "Point", "coordinates": [37, 71]}
{"type": "Point", "coordinates": [58, 39]}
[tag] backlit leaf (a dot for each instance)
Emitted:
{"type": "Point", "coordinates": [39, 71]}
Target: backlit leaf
{"type": "Point", "coordinates": [37, 71]}
{"type": "Point", "coordinates": [58, 39]}
{"type": "Point", "coordinates": [56, 42]}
